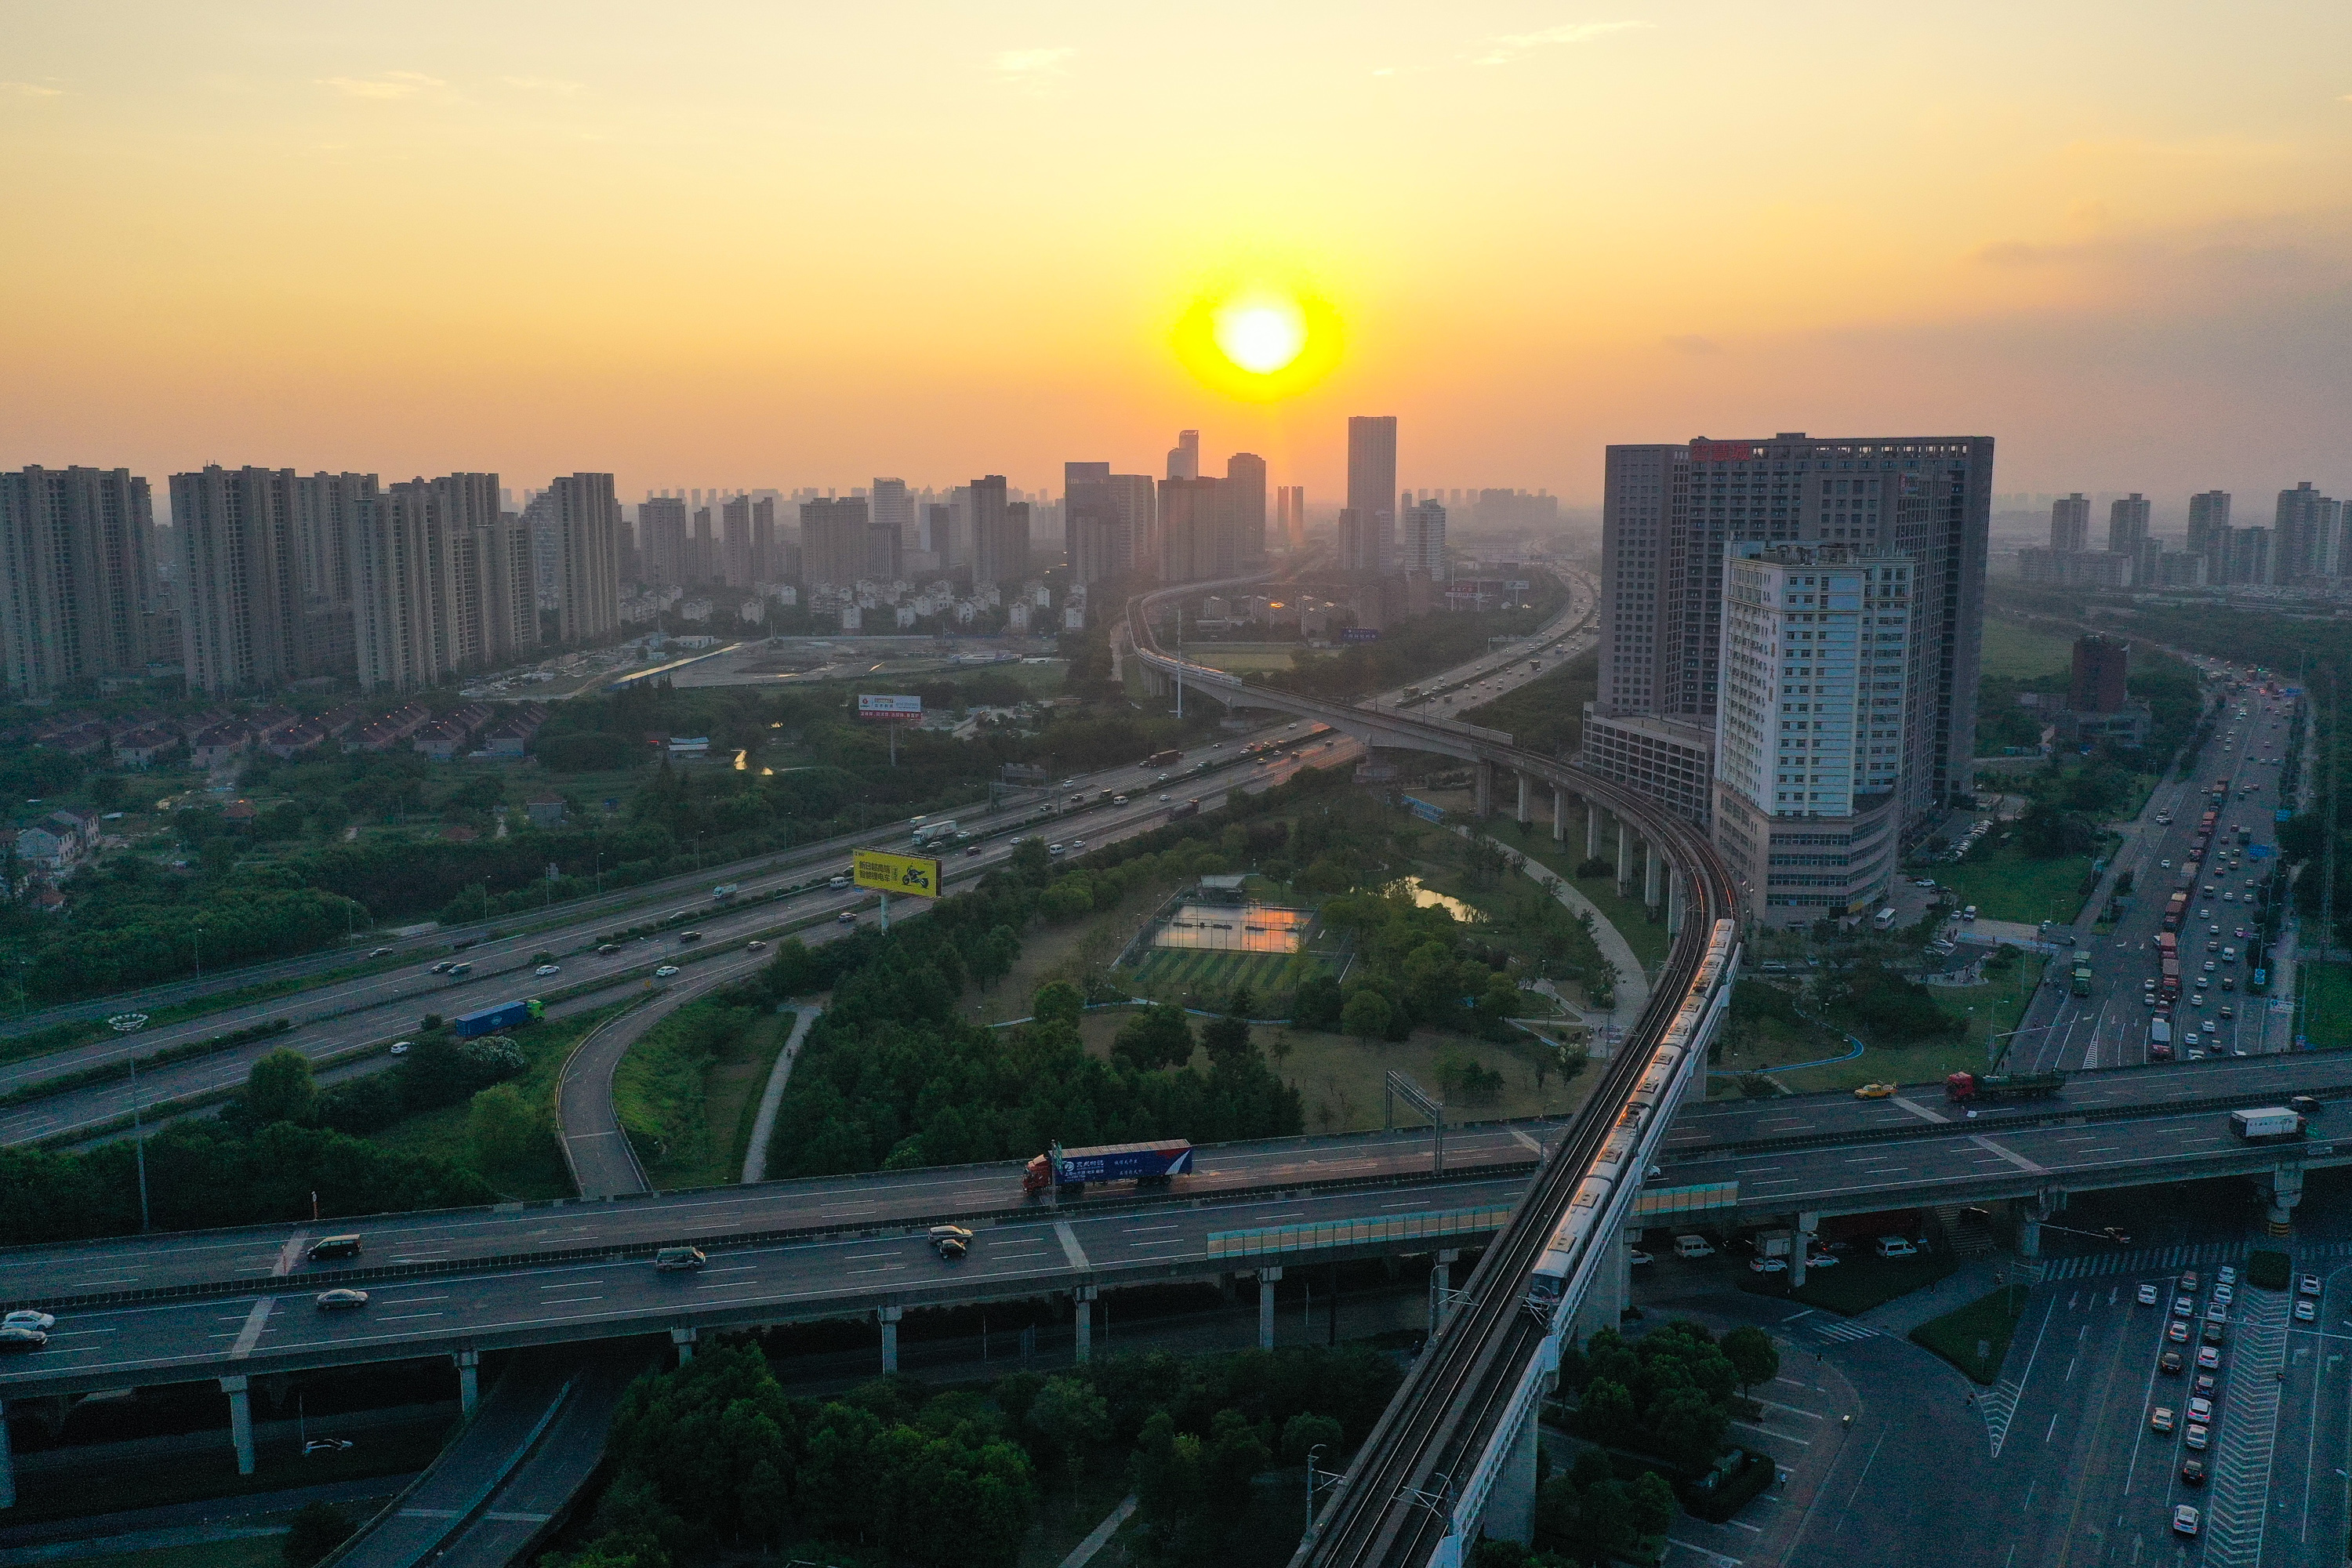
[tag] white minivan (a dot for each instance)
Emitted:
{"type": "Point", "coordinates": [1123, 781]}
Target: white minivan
{"type": "Point", "coordinates": [1897, 1246]}
{"type": "Point", "coordinates": [1693, 1247]}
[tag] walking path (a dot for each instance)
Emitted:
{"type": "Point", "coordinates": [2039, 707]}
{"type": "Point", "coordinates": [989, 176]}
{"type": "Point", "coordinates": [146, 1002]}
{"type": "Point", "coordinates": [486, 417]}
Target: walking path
{"type": "Point", "coordinates": [764, 1126]}
{"type": "Point", "coordinates": [1632, 985]}
{"type": "Point", "coordinates": [1084, 1552]}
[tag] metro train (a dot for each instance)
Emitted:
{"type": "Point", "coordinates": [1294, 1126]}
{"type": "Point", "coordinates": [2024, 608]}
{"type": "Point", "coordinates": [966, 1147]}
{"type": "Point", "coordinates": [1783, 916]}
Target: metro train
{"type": "Point", "coordinates": [1619, 1159]}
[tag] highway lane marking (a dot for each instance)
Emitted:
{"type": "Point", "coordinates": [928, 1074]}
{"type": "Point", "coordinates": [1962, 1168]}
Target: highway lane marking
{"type": "Point", "coordinates": [1134, 1229]}
{"type": "Point", "coordinates": [1070, 1247]}
{"type": "Point", "coordinates": [406, 1317]}
{"type": "Point", "coordinates": [1169, 1241]}
{"type": "Point", "coordinates": [1528, 1143]}
{"type": "Point", "coordinates": [251, 1332]}
{"type": "Point", "coordinates": [2020, 1161]}
{"type": "Point", "coordinates": [570, 1284]}
{"type": "Point", "coordinates": [568, 1301]}
{"type": "Point", "coordinates": [417, 1300]}
{"type": "Point", "coordinates": [1917, 1109]}
{"type": "Point", "coordinates": [738, 1268]}
{"type": "Point", "coordinates": [287, 1254]}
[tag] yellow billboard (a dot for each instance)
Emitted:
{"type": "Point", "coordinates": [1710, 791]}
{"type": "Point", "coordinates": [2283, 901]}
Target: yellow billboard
{"type": "Point", "coordinates": [914, 874]}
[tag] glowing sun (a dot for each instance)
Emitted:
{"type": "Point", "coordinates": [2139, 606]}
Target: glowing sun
{"type": "Point", "coordinates": [1258, 343]}
{"type": "Point", "coordinates": [1262, 335]}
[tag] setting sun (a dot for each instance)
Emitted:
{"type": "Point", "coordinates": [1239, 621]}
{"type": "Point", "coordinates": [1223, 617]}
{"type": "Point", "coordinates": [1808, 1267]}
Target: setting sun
{"type": "Point", "coordinates": [1261, 335]}
{"type": "Point", "coordinates": [1258, 342]}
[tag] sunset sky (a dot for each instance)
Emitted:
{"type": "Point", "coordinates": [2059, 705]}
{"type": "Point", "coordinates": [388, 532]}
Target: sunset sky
{"type": "Point", "coordinates": [781, 244]}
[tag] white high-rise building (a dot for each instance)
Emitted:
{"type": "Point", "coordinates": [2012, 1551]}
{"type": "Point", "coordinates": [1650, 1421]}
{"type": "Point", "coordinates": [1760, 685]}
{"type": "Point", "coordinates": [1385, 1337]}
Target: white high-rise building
{"type": "Point", "coordinates": [1810, 725]}
{"type": "Point", "coordinates": [1424, 539]}
{"type": "Point", "coordinates": [588, 558]}
{"type": "Point", "coordinates": [893, 508]}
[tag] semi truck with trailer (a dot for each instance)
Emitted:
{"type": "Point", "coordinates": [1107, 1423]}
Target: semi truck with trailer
{"type": "Point", "coordinates": [1145, 1164]}
{"type": "Point", "coordinates": [1167, 759]}
{"type": "Point", "coordinates": [932, 832]}
{"type": "Point", "coordinates": [1963, 1087]}
{"type": "Point", "coordinates": [2269, 1124]}
{"type": "Point", "coordinates": [504, 1016]}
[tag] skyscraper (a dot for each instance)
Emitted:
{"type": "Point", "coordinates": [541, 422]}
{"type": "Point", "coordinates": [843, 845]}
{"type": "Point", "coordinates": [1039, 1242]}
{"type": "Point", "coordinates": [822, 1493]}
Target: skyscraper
{"type": "Point", "coordinates": [389, 543]}
{"type": "Point", "coordinates": [588, 557]}
{"type": "Point", "coordinates": [1809, 728]}
{"type": "Point", "coordinates": [766, 563]}
{"type": "Point", "coordinates": [1424, 540]}
{"type": "Point", "coordinates": [1090, 527]}
{"type": "Point", "coordinates": [1185, 457]}
{"type": "Point", "coordinates": [832, 541]}
{"type": "Point", "coordinates": [2127, 524]}
{"type": "Point", "coordinates": [2070, 523]}
{"type": "Point", "coordinates": [2306, 536]}
{"type": "Point", "coordinates": [240, 583]}
{"type": "Point", "coordinates": [1670, 514]}
{"type": "Point", "coordinates": [1372, 486]}
{"type": "Point", "coordinates": [1194, 516]}
{"type": "Point", "coordinates": [735, 542]}
{"type": "Point", "coordinates": [77, 576]}
{"type": "Point", "coordinates": [893, 508]}
{"type": "Point", "coordinates": [1135, 502]}
{"type": "Point", "coordinates": [661, 533]}
{"type": "Point", "coordinates": [885, 548]}
{"type": "Point", "coordinates": [1245, 506]}
{"type": "Point", "coordinates": [2209, 530]}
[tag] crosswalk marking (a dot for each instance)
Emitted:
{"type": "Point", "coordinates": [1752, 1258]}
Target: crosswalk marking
{"type": "Point", "coordinates": [2160, 1259]}
{"type": "Point", "coordinates": [1837, 1328]}
{"type": "Point", "coordinates": [1998, 1404]}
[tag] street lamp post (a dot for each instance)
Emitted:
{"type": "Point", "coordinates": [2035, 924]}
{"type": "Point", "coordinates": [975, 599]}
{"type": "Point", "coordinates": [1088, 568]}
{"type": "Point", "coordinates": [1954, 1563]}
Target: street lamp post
{"type": "Point", "coordinates": [128, 1024]}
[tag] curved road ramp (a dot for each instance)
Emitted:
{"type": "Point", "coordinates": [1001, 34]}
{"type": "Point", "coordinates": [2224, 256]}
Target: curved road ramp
{"type": "Point", "coordinates": [511, 1476]}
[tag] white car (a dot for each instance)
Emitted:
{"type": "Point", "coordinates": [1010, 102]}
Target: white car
{"type": "Point", "coordinates": [545, 970]}
{"type": "Point", "coordinates": [1164, 799]}
{"type": "Point", "coordinates": [1768, 1265]}
{"type": "Point", "coordinates": [26, 1318]}
{"type": "Point", "coordinates": [400, 1048]}
{"type": "Point", "coordinates": [2149, 1295]}
{"type": "Point", "coordinates": [2305, 1310]}
{"type": "Point", "coordinates": [665, 972]}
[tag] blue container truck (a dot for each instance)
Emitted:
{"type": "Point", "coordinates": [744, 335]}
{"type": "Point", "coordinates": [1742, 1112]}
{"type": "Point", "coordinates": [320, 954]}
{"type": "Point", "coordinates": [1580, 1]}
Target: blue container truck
{"type": "Point", "coordinates": [1145, 1164]}
{"type": "Point", "coordinates": [506, 1016]}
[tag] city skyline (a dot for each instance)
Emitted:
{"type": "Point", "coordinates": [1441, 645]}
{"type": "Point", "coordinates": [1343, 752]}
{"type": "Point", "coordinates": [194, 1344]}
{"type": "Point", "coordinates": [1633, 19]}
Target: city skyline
{"type": "Point", "coordinates": [2133, 279]}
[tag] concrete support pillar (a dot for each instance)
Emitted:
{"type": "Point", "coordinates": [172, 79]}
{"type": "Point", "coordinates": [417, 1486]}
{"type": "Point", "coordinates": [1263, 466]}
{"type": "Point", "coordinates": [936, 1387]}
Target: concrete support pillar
{"type": "Point", "coordinates": [1268, 1279]}
{"type": "Point", "coordinates": [1592, 830]}
{"type": "Point", "coordinates": [1483, 774]}
{"type": "Point", "coordinates": [1441, 1286]}
{"type": "Point", "coordinates": [889, 1317]}
{"type": "Point", "coordinates": [1604, 1306]}
{"type": "Point", "coordinates": [2284, 1190]}
{"type": "Point", "coordinates": [1083, 1300]}
{"type": "Point", "coordinates": [1653, 864]}
{"type": "Point", "coordinates": [240, 1421]}
{"type": "Point", "coordinates": [1510, 1513]}
{"type": "Point", "coordinates": [1558, 814]}
{"type": "Point", "coordinates": [2032, 1214]}
{"type": "Point", "coordinates": [684, 1340]}
{"type": "Point", "coordinates": [469, 1380]}
{"type": "Point", "coordinates": [1807, 1227]}
{"type": "Point", "coordinates": [7, 1464]}
{"type": "Point", "coordinates": [1624, 857]}
{"type": "Point", "coordinates": [1525, 795]}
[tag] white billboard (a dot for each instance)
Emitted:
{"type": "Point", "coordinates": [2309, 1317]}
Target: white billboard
{"type": "Point", "coordinates": [890, 710]}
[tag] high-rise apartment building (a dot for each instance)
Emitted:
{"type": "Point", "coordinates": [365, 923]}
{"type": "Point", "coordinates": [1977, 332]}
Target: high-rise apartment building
{"type": "Point", "coordinates": [2100, 675]}
{"type": "Point", "coordinates": [1671, 512]}
{"type": "Point", "coordinates": [241, 587]}
{"type": "Point", "coordinates": [1372, 490]}
{"type": "Point", "coordinates": [1185, 457]}
{"type": "Point", "coordinates": [885, 551]}
{"type": "Point", "coordinates": [1090, 528]}
{"type": "Point", "coordinates": [735, 542]}
{"type": "Point", "coordinates": [1195, 525]}
{"type": "Point", "coordinates": [2209, 530]}
{"type": "Point", "coordinates": [2307, 536]}
{"type": "Point", "coordinates": [391, 544]}
{"type": "Point", "coordinates": [938, 532]}
{"type": "Point", "coordinates": [2070, 524]}
{"type": "Point", "coordinates": [588, 578]}
{"type": "Point", "coordinates": [766, 563]}
{"type": "Point", "coordinates": [1424, 539]}
{"type": "Point", "coordinates": [1000, 533]}
{"type": "Point", "coordinates": [1809, 730]}
{"type": "Point", "coordinates": [893, 508]}
{"type": "Point", "coordinates": [2127, 524]}
{"type": "Point", "coordinates": [78, 578]}
{"type": "Point", "coordinates": [1244, 538]}
{"type": "Point", "coordinates": [1135, 502]}
{"type": "Point", "coordinates": [661, 535]}
{"type": "Point", "coordinates": [832, 541]}
{"type": "Point", "coordinates": [2250, 558]}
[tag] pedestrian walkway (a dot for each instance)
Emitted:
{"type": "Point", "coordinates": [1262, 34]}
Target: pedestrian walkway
{"type": "Point", "coordinates": [771, 1099]}
{"type": "Point", "coordinates": [2247, 1433]}
{"type": "Point", "coordinates": [1632, 985]}
{"type": "Point", "coordinates": [1084, 1552]}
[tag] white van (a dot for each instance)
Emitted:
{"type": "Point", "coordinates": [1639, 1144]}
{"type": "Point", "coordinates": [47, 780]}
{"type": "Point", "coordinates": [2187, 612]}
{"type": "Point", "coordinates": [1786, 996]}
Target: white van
{"type": "Point", "coordinates": [1884, 920]}
{"type": "Point", "coordinates": [1897, 1246]}
{"type": "Point", "coordinates": [1693, 1247]}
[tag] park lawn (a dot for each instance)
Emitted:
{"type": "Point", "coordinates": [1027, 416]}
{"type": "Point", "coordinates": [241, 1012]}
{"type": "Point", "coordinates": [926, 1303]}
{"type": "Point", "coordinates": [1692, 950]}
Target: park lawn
{"type": "Point", "coordinates": [2009, 885]}
{"type": "Point", "coordinates": [2324, 999]}
{"type": "Point", "coordinates": [1202, 977]}
{"type": "Point", "coordinates": [1989, 1320]}
{"type": "Point", "coordinates": [1340, 1080]}
{"type": "Point", "coordinates": [2015, 649]}
{"type": "Point", "coordinates": [1646, 937]}
{"type": "Point", "coordinates": [441, 1134]}
{"type": "Point", "coordinates": [1858, 1281]}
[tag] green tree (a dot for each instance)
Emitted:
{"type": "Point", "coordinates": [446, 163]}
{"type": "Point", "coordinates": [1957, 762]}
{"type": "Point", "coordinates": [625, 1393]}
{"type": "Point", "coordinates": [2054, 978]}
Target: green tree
{"type": "Point", "coordinates": [1605, 1411]}
{"type": "Point", "coordinates": [1058, 1003]}
{"type": "Point", "coordinates": [1227, 1041]}
{"type": "Point", "coordinates": [1306, 1431]}
{"type": "Point", "coordinates": [1367, 1016]}
{"type": "Point", "coordinates": [1157, 1037]}
{"type": "Point", "coordinates": [317, 1528]}
{"type": "Point", "coordinates": [280, 1087]}
{"type": "Point", "coordinates": [505, 1127]}
{"type": "Point", "coordinates": [1651, 1503]}
{"type": "Point", "coordinates": [1069, 1418]}
{"type": "Point", "coordinates": [1752, 1355]}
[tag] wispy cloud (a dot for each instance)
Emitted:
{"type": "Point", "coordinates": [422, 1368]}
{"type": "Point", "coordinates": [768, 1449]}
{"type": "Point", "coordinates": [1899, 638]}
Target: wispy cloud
{"type": "Point", "coordinates": [1033, 65]}
{"type": "Point", "coordinates": [1504, 47]}
{"type": "Point", "coordinates": [31, 89]}
{"type": "Point", "coordinates": [385, 85]}
{"type": "Point", "coordinates": [540, 84]}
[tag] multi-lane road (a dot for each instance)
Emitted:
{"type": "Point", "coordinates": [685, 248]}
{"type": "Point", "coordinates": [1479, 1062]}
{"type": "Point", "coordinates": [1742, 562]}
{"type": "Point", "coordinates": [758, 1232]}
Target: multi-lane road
{"type": "Point", "coordinates": [2109, 1027]}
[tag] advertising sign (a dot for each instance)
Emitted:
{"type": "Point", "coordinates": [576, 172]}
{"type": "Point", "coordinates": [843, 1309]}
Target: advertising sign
{"type": "Point", "coordinates": [1360, 634]}
{"type": "Point", "coordinates": [891, 710]}
{"type": "Point", "coordinates": [914, 874]}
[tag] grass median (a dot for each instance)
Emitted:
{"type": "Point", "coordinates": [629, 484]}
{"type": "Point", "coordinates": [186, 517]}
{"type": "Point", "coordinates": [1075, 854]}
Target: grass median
{"type": "Point", "coordinates": [1858, 1281]}
{"type": "Point", "coordinates": [1975, 1337]}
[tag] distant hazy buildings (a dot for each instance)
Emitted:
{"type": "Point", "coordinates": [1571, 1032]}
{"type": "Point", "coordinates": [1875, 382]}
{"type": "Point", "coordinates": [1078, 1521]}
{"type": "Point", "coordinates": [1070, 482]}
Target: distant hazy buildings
{"type": "Point", "coordinates": [78, 579]}
{"type": "Point", "coordinates": [1290, 515]}
{"type": "Point", "coordinates": [893, 508]}
{"type": "Point", "coordinates": [2307, 536]}
{"type": "Point", "coordinates": [2209, 531]}
{"type": "Point", "coordinates": [1185, 457]}
{"type": "Point", "coordinates": [1193, 518]}
{"type": "Point", "coordinates": [1243, 548]}
{"type": "Point", "coordinates": [1424, 540]}
{"type": "Point", "coordinates": [2070, 524]}
{"type": "Point", "coordinates": [1372, 490]}
{"type": "Point", "coordinates": [1000, 533]}
{"type": "Point", "coordinates": [833, 541]}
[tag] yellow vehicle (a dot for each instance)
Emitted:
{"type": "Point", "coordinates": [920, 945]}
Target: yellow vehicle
{"type": "Point", "coordinates": [1873, 1092]}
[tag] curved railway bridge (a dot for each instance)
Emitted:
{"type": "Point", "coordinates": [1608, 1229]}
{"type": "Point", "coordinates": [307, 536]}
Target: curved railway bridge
{"type": "Point", "coordinates": [1454, 1456]}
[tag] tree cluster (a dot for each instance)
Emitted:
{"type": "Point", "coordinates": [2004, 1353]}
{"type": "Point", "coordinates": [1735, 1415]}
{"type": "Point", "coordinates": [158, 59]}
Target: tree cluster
{"type": "Point", "coordinates": [1890, 1008]}
{"type": "Point", "coordinates": [1415, 965]}
{"type": "Point", "coordinates": [1667, 1395]}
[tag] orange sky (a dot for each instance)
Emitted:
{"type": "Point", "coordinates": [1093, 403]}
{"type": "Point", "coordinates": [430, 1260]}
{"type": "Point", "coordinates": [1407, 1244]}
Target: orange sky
{"type": "Point", "coordinates": [759, 243]}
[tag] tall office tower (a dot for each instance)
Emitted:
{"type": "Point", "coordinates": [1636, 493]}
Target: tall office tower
{"type": "Point", "coordinates": [885, 548]}
{"type": "Point", "coordinates": [2070, 524]}
{"type": "Point", "coordinates": [1372, 486]}
{"type": "Point", "coordinates": [2209, 530]}
{"type": "Point", "coordinates": [77, 577]}
{"type": "Point", "coordinates": [2128, 525]}
{"type": "Point", "coordinates": [1246, 501]}
{"type": "Point", "coordinates": [832, 541]}
{"type": "Point", "coordinates": [895, 508]}
{"type": "Point", "coordinates": [735, 545]}
{"type": "Point", "coordinates": [939, 532]}
{"type": "Point", "coordinates": [1670, 511]}
{"type": "Point", "coordinates": [987, 517]}
{"type": "Point", "coordinates": [1194, 514]}
{"type": "Point", "coordinates": [588, 580]}
{"type": "Point", "coordinates": [1185, 457]}
{"type": "Point", "coordinates": [1809, 727]}
{"type": "Point", "coordinates": [391, 544]}
{"type": "Point", "coordinates": [1090, 527]}
{"type": "Point", "coordinates": [2101, 677]}
{"type": "Point", "coordinates": [1135, 502]}
{"type": "Point", "coordinates": [241, 586]}
{"type": "Point", "coordinates": [764, 559]}
{"type": "Point", "coordinates": [1424, 539]}
{"type": "Point", "coordinates": [661, 533]}
{"type": "Point", "coordinates": [2306, 536]}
